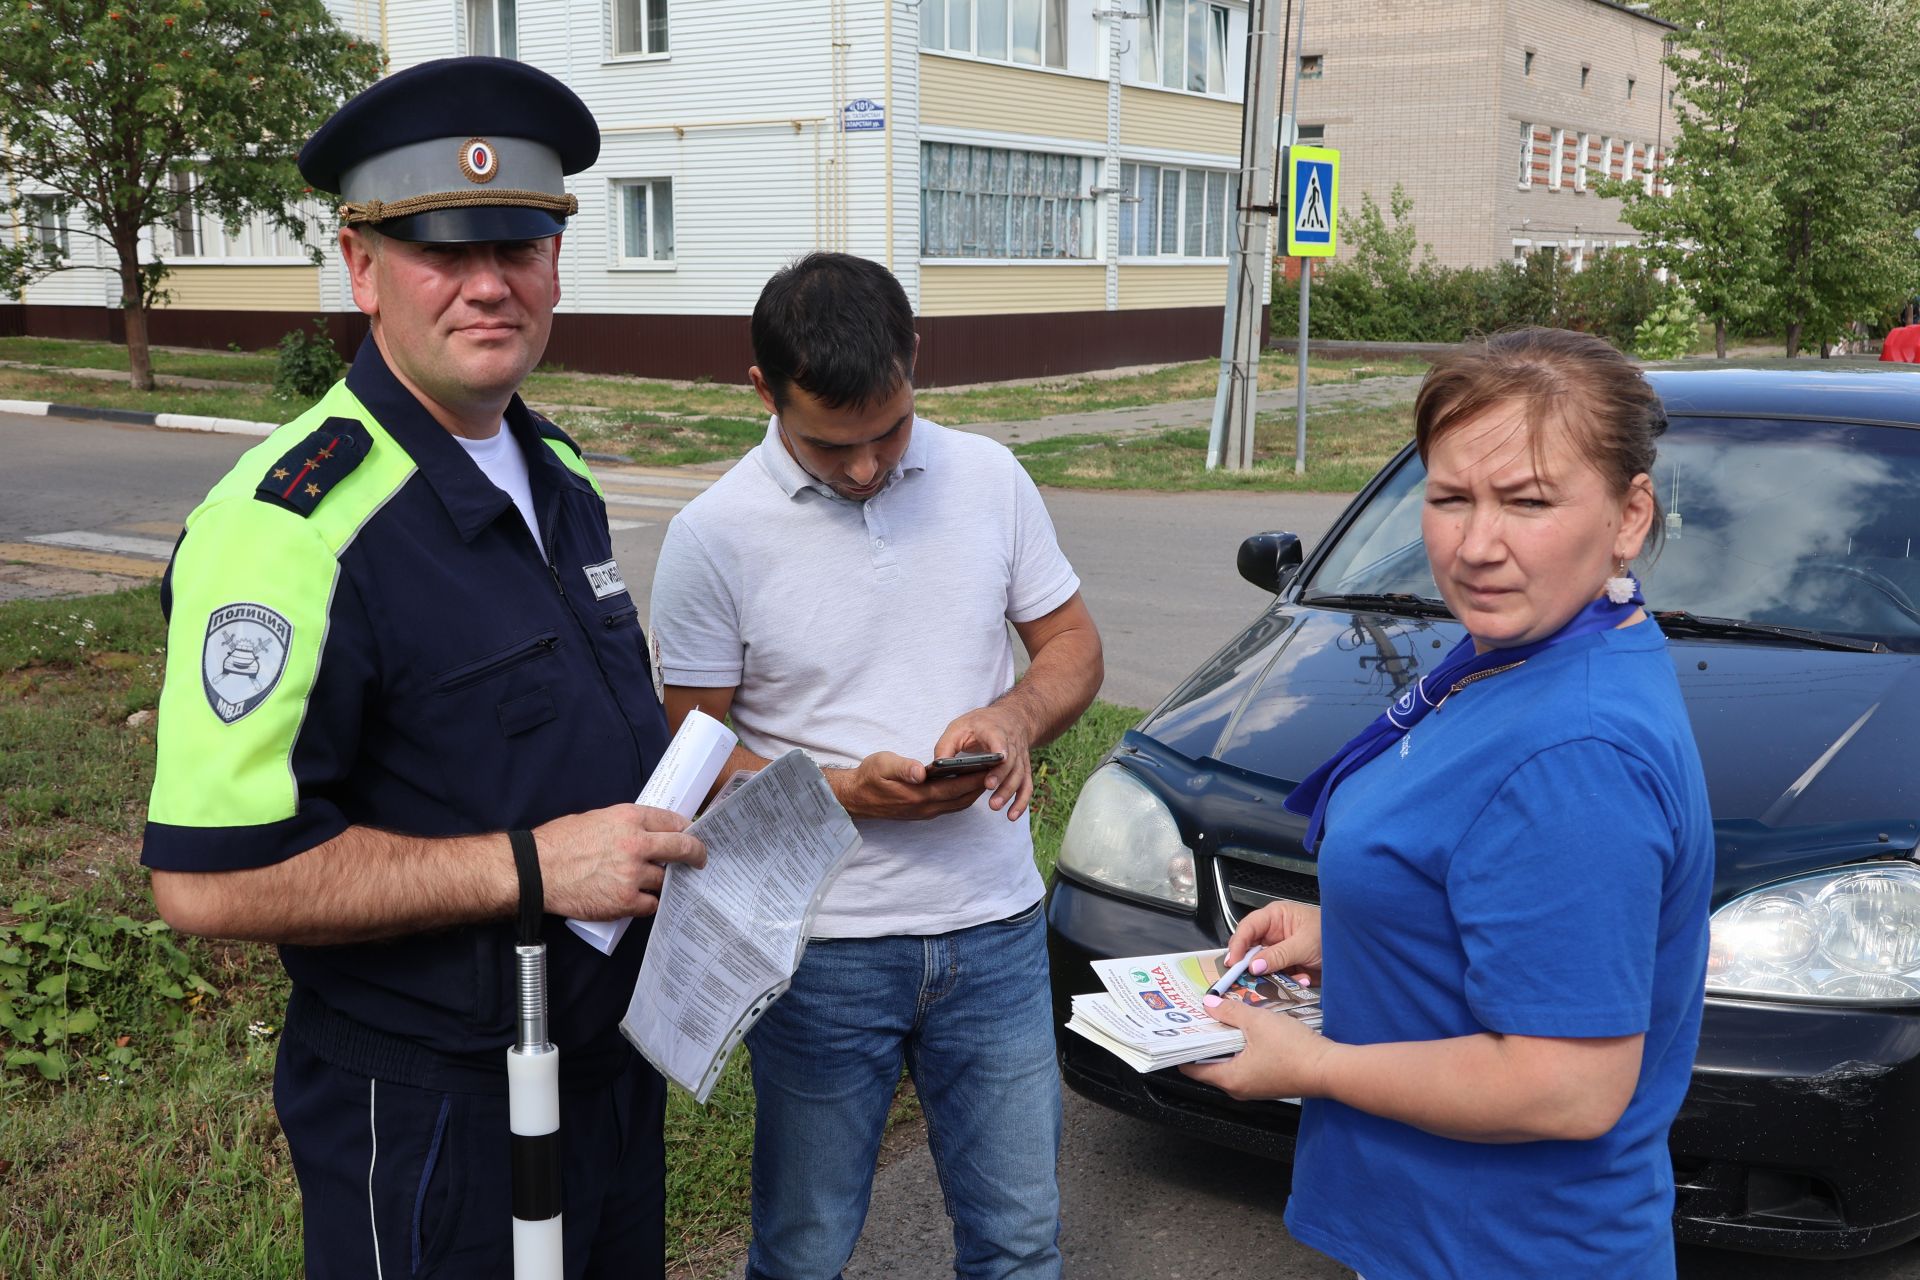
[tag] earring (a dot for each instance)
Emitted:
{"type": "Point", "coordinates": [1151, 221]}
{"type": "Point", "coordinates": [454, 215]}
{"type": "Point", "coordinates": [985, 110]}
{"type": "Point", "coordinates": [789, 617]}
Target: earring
{"type": "Point", "coordinates": [1621, 586]}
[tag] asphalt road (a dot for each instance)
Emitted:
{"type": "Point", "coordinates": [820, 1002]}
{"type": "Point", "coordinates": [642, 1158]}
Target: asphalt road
{"type": "Point", "coordinates": [1158, 573]}
{"type": "Point", "coordinates": [1157, 569]}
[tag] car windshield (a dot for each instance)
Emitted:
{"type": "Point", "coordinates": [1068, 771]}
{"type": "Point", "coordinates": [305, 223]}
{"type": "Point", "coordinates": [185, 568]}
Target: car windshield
{"type": "Point", "coordinates": [1794, 525]}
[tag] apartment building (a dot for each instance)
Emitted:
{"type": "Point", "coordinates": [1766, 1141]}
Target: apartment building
{"type": "Point", "coordinates": [1498, 117]}
{"type": "Point", "coordinates": [1052, 183]}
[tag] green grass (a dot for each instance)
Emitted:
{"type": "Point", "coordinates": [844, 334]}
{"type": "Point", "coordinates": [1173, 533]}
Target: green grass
{"type": "Point", "coordinates": [1002, 402]}
{"type": "Point", "coordinates": [663, 442]}
{"type": "Point", "coordinates": [650, 420]}
{"type": "Point", "coordinates": [179, 362]}
{"type": "Point", "coordinates": [1345, 447]}
{"type": "Point", "coordinates": [175, 1167]}
{"type": "Point", "coordinates": [246, 401]}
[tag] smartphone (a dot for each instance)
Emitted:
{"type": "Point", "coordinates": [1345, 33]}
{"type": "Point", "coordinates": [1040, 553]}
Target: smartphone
{"type": "Point", "coordinates": [966, 762]}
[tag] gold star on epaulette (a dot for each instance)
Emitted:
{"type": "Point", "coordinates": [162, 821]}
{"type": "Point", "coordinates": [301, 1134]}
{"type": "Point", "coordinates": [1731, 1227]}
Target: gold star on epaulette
{"type": "Point", "coordinates": [309, 464]}
{"type": "Point", "coordinates": [279, 473]}
{"type": "Point", "coordinates": [324, 454]}
{"type": "Point", "coordinates": [313, 491]}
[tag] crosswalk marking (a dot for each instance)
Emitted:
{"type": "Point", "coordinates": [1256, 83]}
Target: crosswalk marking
{"type": "Point", "coordinates": [140, 549]}
{"type": "Point", "coordinates": [112, 543]}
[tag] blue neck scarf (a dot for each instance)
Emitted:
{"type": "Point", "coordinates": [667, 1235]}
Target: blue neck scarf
{"type": "Point", "coordinates": [1310, 798]}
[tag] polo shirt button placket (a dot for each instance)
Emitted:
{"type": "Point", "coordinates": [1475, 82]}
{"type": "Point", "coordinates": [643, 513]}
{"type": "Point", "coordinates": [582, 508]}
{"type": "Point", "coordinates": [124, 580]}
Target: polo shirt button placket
{"type": "Point", "coordinates": [879, 550]}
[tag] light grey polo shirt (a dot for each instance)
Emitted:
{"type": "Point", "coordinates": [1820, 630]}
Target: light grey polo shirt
{"type": "Point", "coordinates": [853, 627]}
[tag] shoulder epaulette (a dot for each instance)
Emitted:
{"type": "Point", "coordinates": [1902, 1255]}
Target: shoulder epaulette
{"type": "Point", "coordinates": [544, 425]}
{"type": "Point", "coordinates": [310, 470]}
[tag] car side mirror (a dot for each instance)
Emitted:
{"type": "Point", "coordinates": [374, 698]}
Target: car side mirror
{"type": "Point", "coordinates": [1269, 560]}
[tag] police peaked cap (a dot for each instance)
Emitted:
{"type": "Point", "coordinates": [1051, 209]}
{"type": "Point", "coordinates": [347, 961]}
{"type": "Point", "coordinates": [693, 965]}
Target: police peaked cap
{"type": "Point", "coordinates": [456, 151]}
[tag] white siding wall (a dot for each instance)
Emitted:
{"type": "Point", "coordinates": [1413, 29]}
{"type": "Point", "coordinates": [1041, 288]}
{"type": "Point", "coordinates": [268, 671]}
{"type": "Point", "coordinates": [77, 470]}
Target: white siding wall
{"type": "Point", "coordinates": [717, 116]}
{"type": "Point", "coordinates": [750, 190]}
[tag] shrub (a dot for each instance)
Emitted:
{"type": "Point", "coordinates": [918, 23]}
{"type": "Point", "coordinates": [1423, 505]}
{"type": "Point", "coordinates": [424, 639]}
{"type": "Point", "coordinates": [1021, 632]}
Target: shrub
{"type": "Point", "coordinates": [81, 988]}
{"type": "Point", "coordinates": [307, 364]}
{"type": "Point", "coordinates": [1670, 332]}
{"type": "Point", "coordinates": [1386, 289]}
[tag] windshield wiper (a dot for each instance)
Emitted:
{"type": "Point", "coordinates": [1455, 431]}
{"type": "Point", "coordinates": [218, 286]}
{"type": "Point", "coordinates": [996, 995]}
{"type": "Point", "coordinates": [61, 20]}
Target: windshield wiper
{"type": "Point", "coordinates": [1385, 602]}
{"type": "Point", "coordinates": [1680, 622]}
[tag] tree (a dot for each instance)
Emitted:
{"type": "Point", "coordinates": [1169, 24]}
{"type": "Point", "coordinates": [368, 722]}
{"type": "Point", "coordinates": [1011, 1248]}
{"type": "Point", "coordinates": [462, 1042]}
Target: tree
{"type": "Point", "coordinates": [1845, 249]}
{"type": "Point", "coordinates": [132, 112]}
{"type": "Point", "coordinates": [1792, 175]}
{"type": "Point", "coordinates": [1716, 227]}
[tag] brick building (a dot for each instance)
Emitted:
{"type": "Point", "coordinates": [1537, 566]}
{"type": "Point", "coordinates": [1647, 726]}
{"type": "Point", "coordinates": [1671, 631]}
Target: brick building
{"type": "Point", "coordinates": [1497, 116]}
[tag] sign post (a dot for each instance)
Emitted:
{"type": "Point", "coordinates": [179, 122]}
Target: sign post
{"type": "Point", "coordinates": [1313, 211]}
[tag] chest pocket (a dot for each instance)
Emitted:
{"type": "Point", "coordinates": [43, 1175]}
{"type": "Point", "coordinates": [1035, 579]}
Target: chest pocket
{"type": "Point", "coordinates": [512, 679]}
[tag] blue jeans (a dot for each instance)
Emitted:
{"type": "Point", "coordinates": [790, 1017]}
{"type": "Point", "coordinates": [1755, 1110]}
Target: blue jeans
{"type": "Point", "coordinates": [969, 1014]}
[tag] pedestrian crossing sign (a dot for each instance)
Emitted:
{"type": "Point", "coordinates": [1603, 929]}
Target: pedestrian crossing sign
{"type": "Point", "coordinates": [1313, 201]}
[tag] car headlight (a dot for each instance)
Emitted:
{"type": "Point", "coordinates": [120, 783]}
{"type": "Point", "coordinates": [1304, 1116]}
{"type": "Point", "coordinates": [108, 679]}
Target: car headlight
{"type": "Point", "coordinates": [1848, 936]}
{"type": "Point", "coordinates": [1122, 836]}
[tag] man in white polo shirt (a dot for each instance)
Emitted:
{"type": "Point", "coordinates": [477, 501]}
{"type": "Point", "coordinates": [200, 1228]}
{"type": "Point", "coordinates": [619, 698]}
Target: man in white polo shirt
{"type": "Point", "coordinates": [846, 588]}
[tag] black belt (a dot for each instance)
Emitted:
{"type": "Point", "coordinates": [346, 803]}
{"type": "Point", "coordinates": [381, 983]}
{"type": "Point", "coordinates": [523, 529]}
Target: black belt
{"type": "Point", "coordinates": [354, 1046]}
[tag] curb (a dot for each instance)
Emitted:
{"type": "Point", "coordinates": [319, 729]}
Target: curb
{"type": "Point", "coordinates": [138, 418]}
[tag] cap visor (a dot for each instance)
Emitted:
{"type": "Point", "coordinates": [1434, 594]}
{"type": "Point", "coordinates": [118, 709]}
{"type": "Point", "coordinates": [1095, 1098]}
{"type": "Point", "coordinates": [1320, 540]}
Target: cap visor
{"type": "Point", "coordinates": [474, 225]}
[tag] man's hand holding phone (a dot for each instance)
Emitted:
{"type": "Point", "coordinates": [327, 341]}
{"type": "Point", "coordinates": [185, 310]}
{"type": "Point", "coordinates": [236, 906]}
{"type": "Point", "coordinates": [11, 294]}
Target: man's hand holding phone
{"type": "Point", "coordinates": [995, 730]}
{"type": "Point", "coordinates": [888, 785]}
{"type": "Point", "coordinates": [965, 762]}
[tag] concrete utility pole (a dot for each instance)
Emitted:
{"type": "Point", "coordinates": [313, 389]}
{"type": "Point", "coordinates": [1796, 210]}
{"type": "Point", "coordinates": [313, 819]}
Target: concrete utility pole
{"type": "Point", "coordinates": [1306, 284]}
{"type": "Point", "coordinates": [1249, 257]}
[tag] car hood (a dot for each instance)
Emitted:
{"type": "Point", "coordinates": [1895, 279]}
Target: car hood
{"type": "Point", "coordinates": [1789, 737]}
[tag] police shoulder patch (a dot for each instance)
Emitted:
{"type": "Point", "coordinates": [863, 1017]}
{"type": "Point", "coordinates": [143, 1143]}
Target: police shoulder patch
{"type": "Point", "coordinates": [309, 471]}
{"type": "Point", "coordinates": [245, 652]}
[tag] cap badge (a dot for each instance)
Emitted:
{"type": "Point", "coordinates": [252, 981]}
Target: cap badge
{"type": "Point", "coordinates": [479, 161]}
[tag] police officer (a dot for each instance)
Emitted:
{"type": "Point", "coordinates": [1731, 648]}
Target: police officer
{"type": "Point", "coordinates": [398, 642]}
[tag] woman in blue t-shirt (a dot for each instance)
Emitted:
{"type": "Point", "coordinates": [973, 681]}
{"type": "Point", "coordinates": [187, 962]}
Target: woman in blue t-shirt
{"type": "Point", "coordinates": [1515, 871]}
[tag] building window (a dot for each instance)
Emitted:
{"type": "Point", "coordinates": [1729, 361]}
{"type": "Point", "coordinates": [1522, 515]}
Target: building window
{"type": "Point", "coordinates": [1183, 45]}
{"type": "Point", "coordinates": [1582, 158]}
{"type": "Point", "coordinates": [1521, 248]}
{"type": "Point", "coordinates": [490, 28]}
{"type": "Point", "coordinates": [1629, 88]}
{"type": "Point", "coordinates": [48, 223]}
{"type": "Point", "coordinates": [639, 26]}
{"type": "Point", "coordinates": [1311, 135]}
{"type": "Point", "coordinates": [1311, 66]}
{"type": "Point", "coordinates": [645, 221]}
{"type": "Point", "coordinates": [1031, 32]}
{"type": "Point", "coordinates": [1553, 171]}
{"type": "Point", "coordinates": [1585, 71]}
{"type": "Point", "coordinates": [1526, 63]}
{"type": "Point", "coordinates": [186, 229]}
{"type": "Point", "coordinates": [993, 202]}
{"type": "Point", "coordinates": [1175, 213]}
{"type": "Point", "coordinates": [1526, 155]}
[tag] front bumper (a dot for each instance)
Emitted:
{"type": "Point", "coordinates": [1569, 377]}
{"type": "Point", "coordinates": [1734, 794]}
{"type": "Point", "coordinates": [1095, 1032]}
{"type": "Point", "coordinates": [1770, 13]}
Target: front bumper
{"type": "Point", "coordinates": [1798, 1135]}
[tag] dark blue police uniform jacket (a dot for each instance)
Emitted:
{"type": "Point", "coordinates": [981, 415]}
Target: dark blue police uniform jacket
{"type": "Point", "coordinates": [431, 674]}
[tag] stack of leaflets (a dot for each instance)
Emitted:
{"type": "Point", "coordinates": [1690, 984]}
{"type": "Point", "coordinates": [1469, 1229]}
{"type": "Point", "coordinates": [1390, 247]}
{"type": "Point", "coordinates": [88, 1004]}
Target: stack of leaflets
{"type": "Point", "coordinates": [1151, 1016]}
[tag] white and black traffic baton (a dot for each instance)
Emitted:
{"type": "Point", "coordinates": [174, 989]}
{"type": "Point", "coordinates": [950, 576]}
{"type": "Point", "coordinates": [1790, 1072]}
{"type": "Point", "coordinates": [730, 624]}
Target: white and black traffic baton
{"type": "Point", "coordinates": [533, 1088]}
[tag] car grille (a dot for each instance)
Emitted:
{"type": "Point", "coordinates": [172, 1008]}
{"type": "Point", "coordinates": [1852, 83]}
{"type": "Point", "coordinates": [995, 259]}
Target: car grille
{"type": "Point", "coordinates": [1247, 879]}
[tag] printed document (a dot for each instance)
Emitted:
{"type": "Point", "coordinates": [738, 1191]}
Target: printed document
{"type": "Point", "coordinates": [1151, 1014]}
{"type": "Point", "coordinates": [728, 936]}
{"type": "Point", "coordinates": [680, 783]}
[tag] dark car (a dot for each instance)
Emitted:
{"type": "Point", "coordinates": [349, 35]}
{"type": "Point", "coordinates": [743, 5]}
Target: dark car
{"type": "Point", "coordinates": [1789, 588]}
